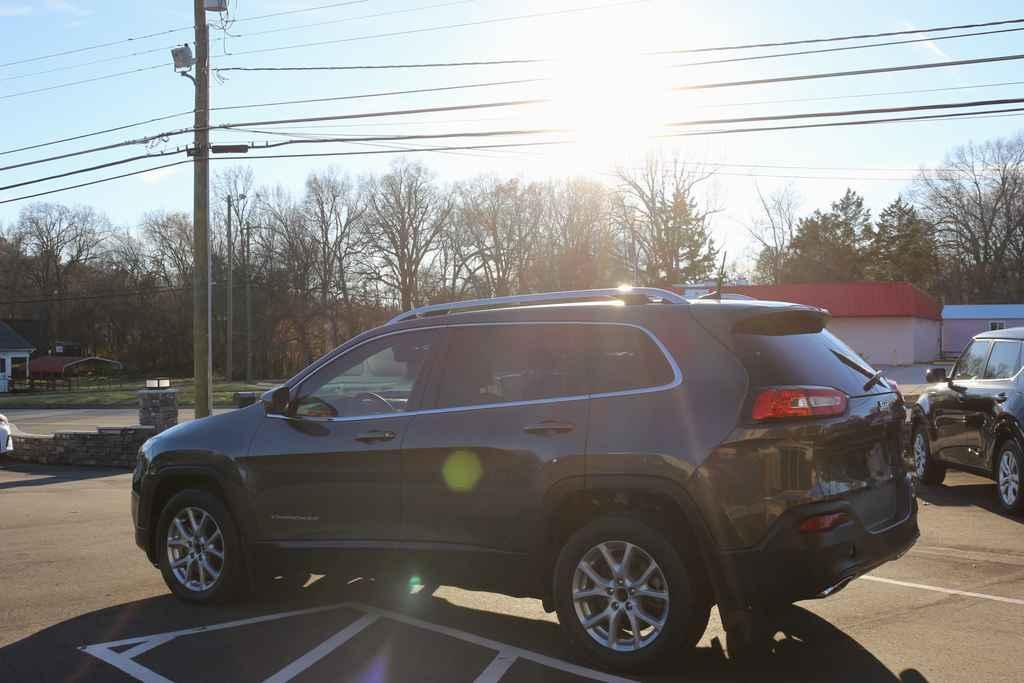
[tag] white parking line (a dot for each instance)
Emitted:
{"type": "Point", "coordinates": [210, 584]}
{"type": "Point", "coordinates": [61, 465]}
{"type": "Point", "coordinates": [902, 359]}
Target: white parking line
{"type": "Point", "coordinates": [948, 591]}
{"type": "Point", "coordinates": [498, 667]}
{"type": "Point", "coordinates": [322, 650]}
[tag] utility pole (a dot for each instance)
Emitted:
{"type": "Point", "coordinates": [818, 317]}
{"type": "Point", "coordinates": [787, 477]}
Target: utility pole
{"type": "Point", "coordinates": [248, 307]}
{"type": "Point", "coordinates": [201, 294]}
{"type": "Point", "coordinates": [229, 337]}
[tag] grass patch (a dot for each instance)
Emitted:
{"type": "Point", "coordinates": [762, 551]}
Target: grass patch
{"type": "Point", "coordinates": [122, 395]}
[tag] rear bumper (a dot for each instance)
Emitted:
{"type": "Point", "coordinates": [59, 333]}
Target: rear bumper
{"type": "Point", "coordinates": [790, 566]}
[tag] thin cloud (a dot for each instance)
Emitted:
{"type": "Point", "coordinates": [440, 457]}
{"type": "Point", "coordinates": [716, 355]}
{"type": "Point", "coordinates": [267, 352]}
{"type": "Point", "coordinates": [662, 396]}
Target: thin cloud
{"type": "Point", "coordinates": [15, 10]}
{"type": "Point", "coordinates": [929, 45]}
{"type": "Point", "coordinates": [160, 175]}
{"type": "Point", "coordinates": [67, 8]}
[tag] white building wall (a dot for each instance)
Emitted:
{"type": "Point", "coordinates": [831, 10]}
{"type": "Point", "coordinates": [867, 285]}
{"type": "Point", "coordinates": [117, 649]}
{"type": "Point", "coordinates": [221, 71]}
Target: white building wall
{"type": "Point", "coordinates": [889, 340]}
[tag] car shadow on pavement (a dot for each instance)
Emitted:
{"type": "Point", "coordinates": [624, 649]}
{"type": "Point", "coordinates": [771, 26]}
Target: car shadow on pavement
{"type": "Point", "coordinates": [963, 495]}
{"type": "Point", "coordinates": [53, 474]}
{"type": "Point", "coordinates": [807, 648]}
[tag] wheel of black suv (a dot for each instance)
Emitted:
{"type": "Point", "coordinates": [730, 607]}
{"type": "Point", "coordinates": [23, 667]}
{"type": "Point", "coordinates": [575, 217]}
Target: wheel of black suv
{"type": "Point", "coordinates": [198, 548]}
{"type": "Point", "coordinates": [626, 597]}
{"type": "Point", "coordinates": [926, 469]}
{"type": "Point", "coordinates": [1009, 468]}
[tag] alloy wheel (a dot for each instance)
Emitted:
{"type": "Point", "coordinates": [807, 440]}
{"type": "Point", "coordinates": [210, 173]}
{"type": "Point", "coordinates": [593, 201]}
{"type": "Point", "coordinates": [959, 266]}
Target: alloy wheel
{"type": "Point", "coordinates": [195, 549]}
{"type": "Point", "coordinates": [620, 596]}
{"type": "Point", "coordinates": [1009, 478]}
{"type": "Point", "coordinates": [920, 454]}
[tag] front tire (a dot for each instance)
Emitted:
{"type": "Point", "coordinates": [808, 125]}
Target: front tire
{"type": "Point", "coordinates": [1009, 470]}
{"type": "Point", "coordinates": [926, 469]}
{"type": "Point", "coordinates": [198, 547]}
{"type": "Point", "coordinates": [625, 597]}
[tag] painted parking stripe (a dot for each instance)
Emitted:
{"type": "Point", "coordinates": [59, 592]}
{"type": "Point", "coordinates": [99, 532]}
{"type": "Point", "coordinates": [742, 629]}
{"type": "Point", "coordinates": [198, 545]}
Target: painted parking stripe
{"type": "Point", "coordinates": [509, 650]}
{"type": "Point", "coordinates": [322, 650]}
{"type": "Point", "coordinates": [498, 667]}
{"type": "Point", "coordinates": [948, 591]}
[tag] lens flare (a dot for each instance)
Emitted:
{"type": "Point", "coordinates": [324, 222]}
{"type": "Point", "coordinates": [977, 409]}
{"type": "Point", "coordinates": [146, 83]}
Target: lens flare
{"type": "Point", "coordinates": [462, 471]}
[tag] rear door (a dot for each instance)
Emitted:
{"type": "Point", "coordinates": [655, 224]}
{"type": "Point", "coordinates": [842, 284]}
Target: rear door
{"type": "Point", "coordinates": [508, 419]}
{"type": "Point", "coordinates": [983, 400]}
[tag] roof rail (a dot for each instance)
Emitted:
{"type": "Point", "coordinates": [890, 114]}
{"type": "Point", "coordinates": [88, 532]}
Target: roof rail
{"type": "Point", "coordinates": [650, 294]}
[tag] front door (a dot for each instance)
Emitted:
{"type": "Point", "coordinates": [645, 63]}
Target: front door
{"type": "Point", "coordinates": [984, 400]}
{"type": "Point", "coordinates": [951, 405]}
{"type": "Point", "coordinates": [509, 419]}
{"type": "Point", "coordinates": [330, 468]}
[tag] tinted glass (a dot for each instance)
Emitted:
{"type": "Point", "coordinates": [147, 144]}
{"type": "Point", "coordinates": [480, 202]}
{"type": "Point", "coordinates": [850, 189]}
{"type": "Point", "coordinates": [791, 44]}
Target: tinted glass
{"type": "Point", "coordinates": [624, 358]}
{"type": "Point", "coordinates": [1004, 362]}
{"type": "Point", "coordinates": [972, 362]}
{"type": "Point", "coordinates": [504, 363]}
{"type": "Point", "coordinates": [805, 359]}
{"type": "Point", "coordinates": [377, 377]}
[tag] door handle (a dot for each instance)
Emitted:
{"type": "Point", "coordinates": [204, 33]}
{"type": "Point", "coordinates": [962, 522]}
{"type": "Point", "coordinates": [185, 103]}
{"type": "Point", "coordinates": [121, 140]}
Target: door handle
{"type": "Point", "coordinates": [549, 427]}
{"type": "Point", "coordinates": [375, 435]}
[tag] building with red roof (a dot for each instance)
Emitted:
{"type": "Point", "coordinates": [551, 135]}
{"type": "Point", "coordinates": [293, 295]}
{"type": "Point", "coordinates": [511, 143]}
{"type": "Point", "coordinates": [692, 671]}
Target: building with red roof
{"type": "Point", "coordinates": [888, 323]}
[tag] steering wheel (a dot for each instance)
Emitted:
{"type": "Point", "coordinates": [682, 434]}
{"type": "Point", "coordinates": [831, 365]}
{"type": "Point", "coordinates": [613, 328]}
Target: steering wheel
{"type": "Point", "coordinates": [363, 395]}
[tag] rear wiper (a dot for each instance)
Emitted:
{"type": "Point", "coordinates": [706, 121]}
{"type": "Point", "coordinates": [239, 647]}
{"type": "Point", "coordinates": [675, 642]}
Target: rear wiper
{"type": "Point", "coordinates": [873, 377]}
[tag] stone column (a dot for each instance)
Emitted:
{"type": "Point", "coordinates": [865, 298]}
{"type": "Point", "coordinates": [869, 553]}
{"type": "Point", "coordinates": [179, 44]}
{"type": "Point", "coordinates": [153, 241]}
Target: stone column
{"type": "Point", "coordinates": [158, 408]}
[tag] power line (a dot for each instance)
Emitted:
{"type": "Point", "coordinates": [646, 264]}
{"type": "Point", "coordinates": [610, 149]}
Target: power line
{"type": "Point", "coordinates": [93, 133]}
{"type": "Point", "coordinates": [856, 72]}
{"type": "Point", "coordinates": [542, 60]}
{"type": "Point", "coordinates": [97, 167]}
{"type": "Point", "coordinates": [376, 15]}
{"type": "Point", "coordinates": [96, 182]}
{"type": "Point", "coordinates": [84, 80]}
{"type": "Point", "coordinates": [542, 143]}
{"type": "Point", "coordinates": [101, 148]}
{"type": "Point", "coordinates": [428, 29]}
{"type": "Point", "coordinates": [168, 31]}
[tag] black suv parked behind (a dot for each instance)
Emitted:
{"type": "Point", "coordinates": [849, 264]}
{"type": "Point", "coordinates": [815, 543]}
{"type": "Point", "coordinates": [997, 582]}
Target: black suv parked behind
{"type": "Point", "coordinates": [972, 419]}
{"type": "Point", "coordinates": [627, 456]}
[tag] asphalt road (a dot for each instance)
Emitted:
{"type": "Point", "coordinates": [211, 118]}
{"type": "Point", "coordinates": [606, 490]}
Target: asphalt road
{"type": "Point", "coordinates": [71, 577]}
{"type": "Point", "coordinates": [49, 420]}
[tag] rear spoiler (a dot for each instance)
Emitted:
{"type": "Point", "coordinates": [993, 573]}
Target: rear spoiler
{"type": "Point", "coordinates": [726, 318]}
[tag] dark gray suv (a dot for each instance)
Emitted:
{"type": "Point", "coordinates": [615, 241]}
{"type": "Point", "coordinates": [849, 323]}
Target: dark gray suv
{"type": "Point", "coordinates": [627, 456]}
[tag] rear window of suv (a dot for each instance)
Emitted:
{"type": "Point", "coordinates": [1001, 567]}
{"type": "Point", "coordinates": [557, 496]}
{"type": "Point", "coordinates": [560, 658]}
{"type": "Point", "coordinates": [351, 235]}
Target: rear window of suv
{"type": "Point", "coordinates": [488, 364]}
{"type": "Point", "coordinates": [815, 359]}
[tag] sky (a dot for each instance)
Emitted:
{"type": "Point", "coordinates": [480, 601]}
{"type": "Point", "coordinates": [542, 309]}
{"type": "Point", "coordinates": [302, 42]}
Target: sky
{"type": "Point", "coordinates": [602, 92]}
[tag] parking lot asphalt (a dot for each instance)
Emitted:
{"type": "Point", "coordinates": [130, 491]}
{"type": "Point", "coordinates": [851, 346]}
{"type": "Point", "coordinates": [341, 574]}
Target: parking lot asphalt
{"type": "Point", "coordinates": [79, 602]}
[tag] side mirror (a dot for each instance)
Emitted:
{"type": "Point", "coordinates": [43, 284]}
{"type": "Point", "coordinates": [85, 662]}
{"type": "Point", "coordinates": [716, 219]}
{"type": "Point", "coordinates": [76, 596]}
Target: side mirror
{"type": "Point", "coordinates": [275, 401]}
{"type": "Point", "coordinates": [935, 375]}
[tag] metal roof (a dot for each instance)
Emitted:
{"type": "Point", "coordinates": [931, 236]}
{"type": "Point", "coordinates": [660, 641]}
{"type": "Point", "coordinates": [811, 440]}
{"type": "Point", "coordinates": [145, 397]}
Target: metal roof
{"type": "Point", "coordinates": [850, 299]}
{"type": "Point", "coordinates": [11, 340]}
{"type": "Point", "coordinates": [983, 312]}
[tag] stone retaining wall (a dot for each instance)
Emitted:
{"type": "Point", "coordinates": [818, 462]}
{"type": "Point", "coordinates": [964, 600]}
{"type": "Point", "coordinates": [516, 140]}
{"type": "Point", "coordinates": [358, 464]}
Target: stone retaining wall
{"type": "Point", "coordinates": [107, 447]}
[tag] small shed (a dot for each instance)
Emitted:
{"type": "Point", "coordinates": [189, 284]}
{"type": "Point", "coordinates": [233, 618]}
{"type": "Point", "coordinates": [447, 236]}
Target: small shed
{"type": "Point", "coordinates": [15, 350]}
{"type": "Point", "coordinates": [961, 322]}
{"type": "Point", "coordinates": [888, 323]}
{"type": "Point", "coordinates": [63, 369]}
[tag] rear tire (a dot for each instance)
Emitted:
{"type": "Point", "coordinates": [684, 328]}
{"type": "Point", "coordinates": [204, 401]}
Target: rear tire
{"type": "Point", "coordinates": [926, 469]}
{"type": "Point", "coordinates": [1009, 471]}
{"type": "Point", "coordinates": [656, 610]}
{"type": "Point", "coordinates": [198, 548]}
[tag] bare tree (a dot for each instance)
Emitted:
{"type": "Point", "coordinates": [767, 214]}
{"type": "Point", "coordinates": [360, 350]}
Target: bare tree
{"type": "Point", "coordinates": [774, 230]}
{"type": "Point", "coordinates": [406, 215]}
{"type": "Point", "coordinates": [976, 204]}
{"type": "Point", "coordinates": [670, 229]}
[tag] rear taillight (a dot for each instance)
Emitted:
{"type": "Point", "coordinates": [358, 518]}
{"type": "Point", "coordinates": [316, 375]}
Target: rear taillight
{"type": "Point", "coordinates": [781, 403]}
{"type": "Point", "coordinates": [819, 523]}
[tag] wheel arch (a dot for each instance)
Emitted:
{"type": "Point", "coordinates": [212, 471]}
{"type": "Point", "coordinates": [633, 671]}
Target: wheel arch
{"type": "Point", "coordinates": [659, 502]}
{"type": "Point", "coordinates": [178, 478]}
{"type": "Point", "coordinates": [1004, 429]}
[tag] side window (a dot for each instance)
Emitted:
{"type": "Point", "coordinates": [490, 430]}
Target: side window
{"type": "Point", "coordinates": [972, 361]}
{"type": "Point", "coordinates": [624, 358]}
{"type": "Point", "coordinates": [377, 377]}
{"type": "Point", "coordinates": [505, 363]}
{"type": "Point", "coordinates": [1004, 362]}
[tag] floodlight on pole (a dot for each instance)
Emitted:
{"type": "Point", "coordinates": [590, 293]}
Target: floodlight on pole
{"type": "Point", "coordinates": [216, 5]}
{"type": "Point", "coordinates": [182, 56]}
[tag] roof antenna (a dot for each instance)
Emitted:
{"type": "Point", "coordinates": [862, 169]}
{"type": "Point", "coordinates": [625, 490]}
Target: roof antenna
{"type": "Point", "coordinates": [721, 279]}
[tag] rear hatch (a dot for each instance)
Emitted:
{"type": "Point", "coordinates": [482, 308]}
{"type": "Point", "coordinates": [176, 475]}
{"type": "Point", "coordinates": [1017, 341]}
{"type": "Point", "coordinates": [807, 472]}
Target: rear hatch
{"type": "Point", "coordinates": [850, 450]}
